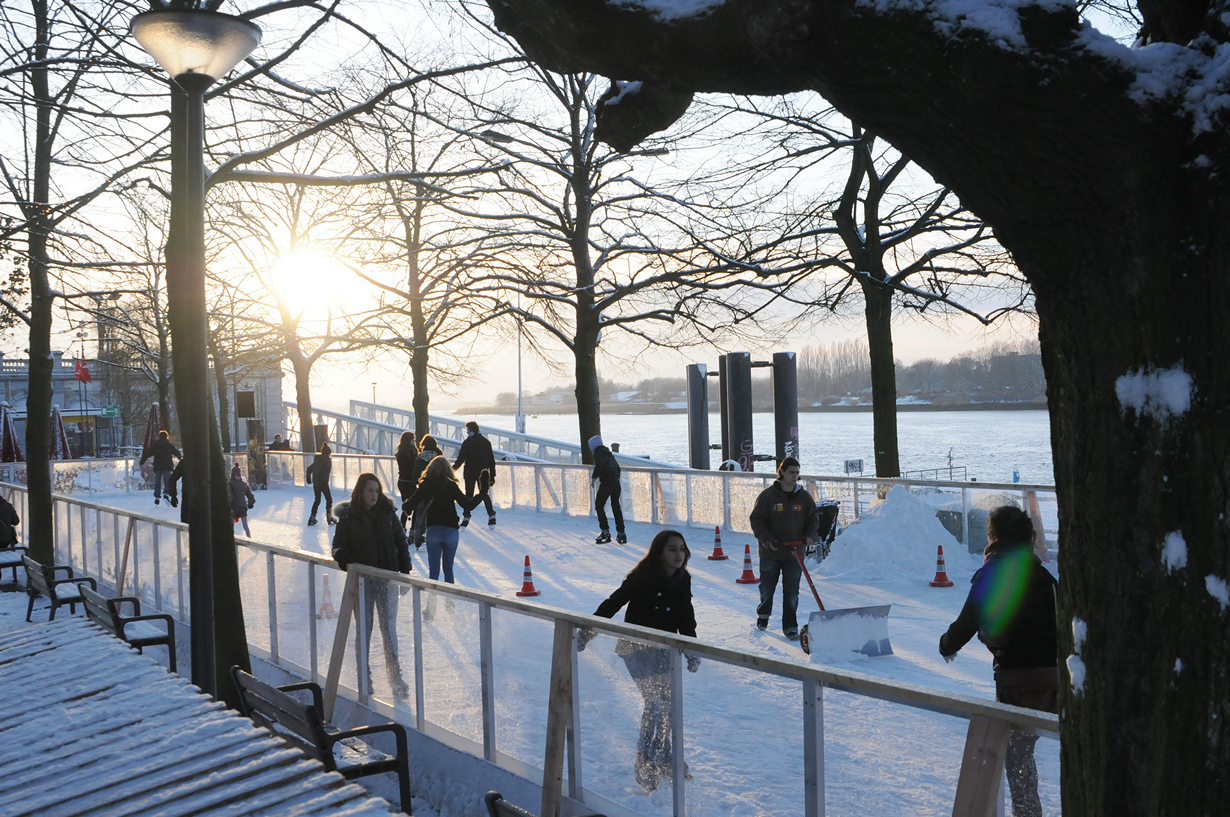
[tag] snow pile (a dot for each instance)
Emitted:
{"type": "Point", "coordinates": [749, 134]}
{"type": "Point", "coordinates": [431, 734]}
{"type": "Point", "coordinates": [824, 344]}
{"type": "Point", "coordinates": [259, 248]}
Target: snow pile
{"type": "Point", "coordinates": [897, 539]}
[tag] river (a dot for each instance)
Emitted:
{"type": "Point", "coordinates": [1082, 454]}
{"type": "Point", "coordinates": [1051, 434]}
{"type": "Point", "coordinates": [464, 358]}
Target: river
{"type": "Point", "coordinates": [990, 445]}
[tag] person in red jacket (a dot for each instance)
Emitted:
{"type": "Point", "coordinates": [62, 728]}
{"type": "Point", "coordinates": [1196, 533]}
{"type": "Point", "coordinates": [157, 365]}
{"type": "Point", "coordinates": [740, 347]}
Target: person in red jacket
{"type": "Point", "coordinates": [1011, 607]}
{"type": "Point", "coordinates": [658, 593]}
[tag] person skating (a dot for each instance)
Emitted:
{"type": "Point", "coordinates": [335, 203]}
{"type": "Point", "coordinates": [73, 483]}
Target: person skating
{"type": "Point", "coordinates": [241, 499]}
{"type": "Point", "coordinates": [477, 456]}
{"type": "Point", "coordinates": [606, 474]}
{"type": "Point", "coordinates": [437, 493]}
{"type": "Point", "coordinates": [1011, 607]}
{"type": "Point", "coordinates": [429, 449]}
{"type": "Point", "coordinates": [658, 593]}
{"type": "Point", "coordinates": [279, 444]}
{"type": "Point", "coordinates": [163, 453]}
{"type": "Point", "coordinates": [784, 512]}
{"type": "Point", "coordinates": [370, 533]}
{"type": "Point", "coordinates": [318, 477]}
{"type": "Point", "coordinates": [408, 469]}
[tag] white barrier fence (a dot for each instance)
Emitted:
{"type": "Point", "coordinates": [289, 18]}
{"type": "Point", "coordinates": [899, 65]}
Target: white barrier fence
{"type": "Point", "coordinates": [668, 497]}
{"type": "Point", "coordinates": [485, 667]}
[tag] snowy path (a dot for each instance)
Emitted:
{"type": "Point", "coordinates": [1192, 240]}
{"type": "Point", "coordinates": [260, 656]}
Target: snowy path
{"type": "Point", "coordinates": [881, 759]}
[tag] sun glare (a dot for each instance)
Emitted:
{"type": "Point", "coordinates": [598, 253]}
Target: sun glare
{"type": "Point", "coordinates": [308, 282]}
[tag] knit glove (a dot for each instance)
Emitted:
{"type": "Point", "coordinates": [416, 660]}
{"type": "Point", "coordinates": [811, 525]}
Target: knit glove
{"type": "Point", "coordinates": [693, 663]}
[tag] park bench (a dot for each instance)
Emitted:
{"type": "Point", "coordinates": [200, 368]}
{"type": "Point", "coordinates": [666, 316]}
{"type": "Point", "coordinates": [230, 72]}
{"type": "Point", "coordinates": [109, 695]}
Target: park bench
{"type": "Point", "coordinates": [302, 724]}
{"type": "Point", "coordinates": [10, 557]}
{"type": "Point", "coordinates": [497, 806]}
{"type": "Point", "coordinates": [138, 630]}
{"type": "Point", "coordinates": [56, 582]}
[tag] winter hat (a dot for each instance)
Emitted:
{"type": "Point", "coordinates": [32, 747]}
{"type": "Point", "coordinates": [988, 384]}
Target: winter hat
{"type": "Point", "coordinates": [472, 427]}
{"type": "Point", "coordinates": [594, 442]}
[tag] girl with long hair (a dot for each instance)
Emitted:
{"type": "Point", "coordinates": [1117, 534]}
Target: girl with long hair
{"type": "Point", "coordinates": [436, 497]}
{"type": "Point", "coordinates": [369, 533]}
{"type": "Point", "coordinates": [658, 593]}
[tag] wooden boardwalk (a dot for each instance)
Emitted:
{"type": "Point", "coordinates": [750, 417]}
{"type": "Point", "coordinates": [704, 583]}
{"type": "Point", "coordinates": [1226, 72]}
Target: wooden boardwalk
{"type": "Point", "coordinates": [89, 727]}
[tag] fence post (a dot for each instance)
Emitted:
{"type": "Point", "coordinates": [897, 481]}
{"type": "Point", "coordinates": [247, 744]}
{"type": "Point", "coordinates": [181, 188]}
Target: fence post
{"type": "Point", "coordinates": [679, 791]}
{"type": "Point", "coordinates": [813, 748]}
{"type": "Point", "coordinates": [313, 632]}
{"type": "Point", "coordinates": [272, 589]}
{"type": "Point", "coordinates": [982, 766]}
{"type": "Point", "coordinates": [558, 706]}
{"type": "Point", "coordinates": [487, 670]}
{"type": "Point", "coordinates": [344, 612]}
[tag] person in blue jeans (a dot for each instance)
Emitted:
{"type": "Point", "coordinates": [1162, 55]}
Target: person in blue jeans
{"type": "Point", "coordinates": [784, 512]}
{"type": "Point", "coordinates": [437, 495]}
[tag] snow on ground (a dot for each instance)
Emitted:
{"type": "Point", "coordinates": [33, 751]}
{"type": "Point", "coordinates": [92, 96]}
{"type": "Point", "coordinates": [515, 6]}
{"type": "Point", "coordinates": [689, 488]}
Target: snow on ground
{"type": "Point", "coordinates": [881, 759]}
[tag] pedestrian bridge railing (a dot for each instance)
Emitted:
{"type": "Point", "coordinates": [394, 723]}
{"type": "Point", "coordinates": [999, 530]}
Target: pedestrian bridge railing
{"type": "Point", "coordinates": [500, 678]}
{"type": "Point", "coordinates": [676, 497]}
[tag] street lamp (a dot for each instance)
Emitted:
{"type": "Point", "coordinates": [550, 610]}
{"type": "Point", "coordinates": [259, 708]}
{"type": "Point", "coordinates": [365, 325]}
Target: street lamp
{"type": "Point", "coordinates": [196, 48]}
{"type": "Point", "coordinates": [373, 392]}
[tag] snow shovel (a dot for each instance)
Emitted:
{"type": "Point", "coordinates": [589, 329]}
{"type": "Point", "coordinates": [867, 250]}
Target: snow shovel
{"type": "Point", "coordinates": [857, 629]}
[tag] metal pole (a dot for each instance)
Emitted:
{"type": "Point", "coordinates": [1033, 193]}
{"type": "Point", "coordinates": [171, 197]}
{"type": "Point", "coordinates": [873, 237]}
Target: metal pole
{"type": "Point", "coordinates": [186, 314]}
{"type": "Point", "coordinates": [520, 425]}
{"type": "Point", "coordinates": [739, 409]}
{"type": "Point", "coordinates": [786, 405]}
{"type": "Point", "coordinates": [698, 416]}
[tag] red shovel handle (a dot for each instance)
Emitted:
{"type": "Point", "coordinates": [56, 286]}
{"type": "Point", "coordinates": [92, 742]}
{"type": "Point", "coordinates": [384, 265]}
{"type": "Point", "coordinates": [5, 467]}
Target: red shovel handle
{"type": "Point", "coordinates": [794, 546]}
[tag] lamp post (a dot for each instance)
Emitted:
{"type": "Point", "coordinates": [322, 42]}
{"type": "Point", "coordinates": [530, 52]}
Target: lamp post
{"type": "Point", "coordinates": [196, 48]}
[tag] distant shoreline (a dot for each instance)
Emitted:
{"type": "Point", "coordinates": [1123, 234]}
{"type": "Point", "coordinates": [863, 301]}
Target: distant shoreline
{"type": "Point", "coordinates": [654, 409]}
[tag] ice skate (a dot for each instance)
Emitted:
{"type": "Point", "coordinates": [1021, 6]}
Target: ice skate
{"type": "Point", "coordinates": [312, 519]}
{"type": "Point", "coordinates": [762, 623]}
{"type": "Point", "coordinates": [491, 521]}
{"type": "Point", "coordinates": [621, 538]}
{"type": "Point", "coordinates": [331, 519]}
{"type": "Point", "coordinates": [646, 777]}
{"type": "Point", "coordinates": [603, 538]}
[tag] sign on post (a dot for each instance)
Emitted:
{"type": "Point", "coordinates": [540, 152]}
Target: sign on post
{"type": "Point", "coordinates": [110, 413]}
{"type": "Point", "coordinates": [854, 466]}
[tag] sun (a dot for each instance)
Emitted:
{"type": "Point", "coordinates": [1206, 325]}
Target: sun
{"type": "Point", "coordinates": [308, 282]}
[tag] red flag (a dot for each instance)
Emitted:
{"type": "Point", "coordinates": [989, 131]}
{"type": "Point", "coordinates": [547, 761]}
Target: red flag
{"type": "Point", "coordinates": [82, 372]}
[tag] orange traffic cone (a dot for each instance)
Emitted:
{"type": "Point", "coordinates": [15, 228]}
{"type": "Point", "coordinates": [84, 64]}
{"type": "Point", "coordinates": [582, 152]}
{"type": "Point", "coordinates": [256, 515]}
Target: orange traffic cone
{"type": "Point", "coordinates": [717, 555]}
{"type": "Point", "coordinates": [941, 577]}
{"type": "Point", "coordinates": [326, 610]}
{"type": "Point", "coordinates": [527, 587]}
{"type": "Point", "coordinates": [748, 576]}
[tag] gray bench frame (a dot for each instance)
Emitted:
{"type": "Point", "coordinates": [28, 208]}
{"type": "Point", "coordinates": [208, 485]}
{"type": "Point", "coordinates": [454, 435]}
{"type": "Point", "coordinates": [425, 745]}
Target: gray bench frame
{"type": "Point", "coordinates": [43, 579]}
{"type": "Point", "coordinates": [303, 726]}
{"type": "Point", "coordinates": [108, 614]}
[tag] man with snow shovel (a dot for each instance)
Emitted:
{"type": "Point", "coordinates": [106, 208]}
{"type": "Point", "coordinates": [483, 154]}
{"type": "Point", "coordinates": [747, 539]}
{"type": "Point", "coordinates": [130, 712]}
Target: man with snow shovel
{"type": "Point", "coordinates": [784, 512]}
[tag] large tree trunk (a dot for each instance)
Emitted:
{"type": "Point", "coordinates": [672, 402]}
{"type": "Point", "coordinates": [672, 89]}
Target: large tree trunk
{"type": "Point", "coordinates": [222, 421]}
{"type": "Point", "coordinates": [878, 310]}
{"type": "Point", "coordinates": [1114, 204]}
{"type": "Point", "coordinates": [589, 411]}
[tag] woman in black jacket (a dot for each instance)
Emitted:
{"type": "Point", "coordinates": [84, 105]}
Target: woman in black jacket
{"type": "Point", "coordinates": [435, 498]}
{"type": "Point", "coordinates": [1012, 608]}
{"type": "Point", "coordinates": [658, 593]}
{"type": "Point", "coordinates": [241, 499]}
{"type": "Point", "coordinates": [407, 468]}
{"type": "Point", "coordinates": [369, 533]}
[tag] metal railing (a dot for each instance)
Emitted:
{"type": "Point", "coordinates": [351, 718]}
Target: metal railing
{"type": "Point", "coordinates": [673, 496]}
{"type": "Point", "coordinates": [484, 668]}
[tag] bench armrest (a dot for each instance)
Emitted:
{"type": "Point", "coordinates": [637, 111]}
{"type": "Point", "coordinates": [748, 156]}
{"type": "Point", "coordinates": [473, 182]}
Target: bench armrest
{"type": "Point", "coordinates": [399, 734]}
{"type": "Point", "coordinates": [318, 702]}
{"type": "Point", "coordinates": [51, 572]}
{"type": "Point", "coordinates": [74, 580]}
{"type": "Point", "coordinates": [124, 621]}
{"type": "Point", "coordinates": [116, 605]}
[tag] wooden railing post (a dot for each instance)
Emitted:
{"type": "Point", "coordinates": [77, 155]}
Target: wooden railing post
{"type": "Point", "coordinates": [350, 597]}
{"type": "Point", "coordinates": [982, 766]}
{"type": "Point", "coordinates": [558, 707]}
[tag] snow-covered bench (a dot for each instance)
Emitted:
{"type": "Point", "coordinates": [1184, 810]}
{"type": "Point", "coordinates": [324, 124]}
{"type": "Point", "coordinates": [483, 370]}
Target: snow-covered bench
{"type": "Point", "coordinates": [303, 726]}
{"type": "Point", "coordinates": [56, 582]}
{"type": "Point", "coordinates": [138, 630]}
{"type": "Point", "coordinates": [10, 557]}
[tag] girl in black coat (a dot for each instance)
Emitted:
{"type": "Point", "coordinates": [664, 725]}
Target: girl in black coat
{"type": "Point", "coordinates": [435, 498]}
{"type": "Point", "coordinates": [658, 593]}
{"type": "Point", "coordinates": [1012, 608]}
{"type": "Point", "coordinates": [241, 499]}
{"type": "Point", "coordinates": [407, 473]}
{"type": "Point", "coordinates": [369, 533]}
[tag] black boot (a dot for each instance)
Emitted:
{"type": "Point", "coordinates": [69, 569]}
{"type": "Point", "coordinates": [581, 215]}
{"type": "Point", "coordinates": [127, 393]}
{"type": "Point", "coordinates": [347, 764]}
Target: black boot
{"type": "Point", "coordinates": [603, 538]}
